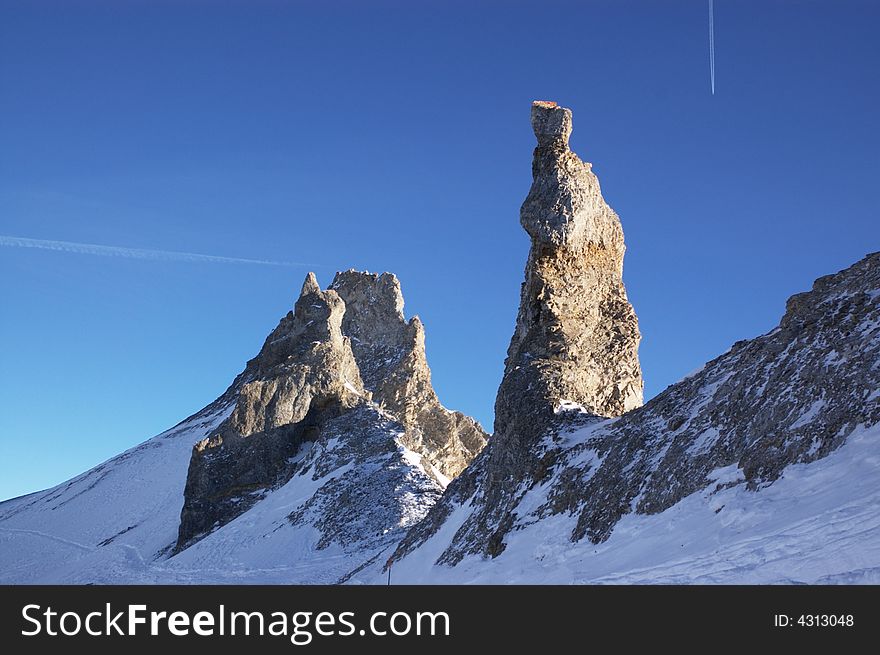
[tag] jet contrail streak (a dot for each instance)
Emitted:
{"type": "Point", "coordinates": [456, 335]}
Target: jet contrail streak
{"type": "Point", "coordinates": [712, 45]}
{"type": "Point", "coordinates": [132, 253]}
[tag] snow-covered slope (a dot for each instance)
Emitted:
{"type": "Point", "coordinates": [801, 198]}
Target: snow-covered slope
{"type": "Point", "coordinates": [120, 514]}
{"type": "Point", "coordinates": [354, 492]}
{"type": "Point", "coordinates": [819, 524]}
{"type": "Point", "coordinates": [767, 454]}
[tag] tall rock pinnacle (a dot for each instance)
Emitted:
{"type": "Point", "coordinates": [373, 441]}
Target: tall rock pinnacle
{"type": "Point", "coordinates": [576, 336]}
{"type": "Point", "coordinates": [575, 343]}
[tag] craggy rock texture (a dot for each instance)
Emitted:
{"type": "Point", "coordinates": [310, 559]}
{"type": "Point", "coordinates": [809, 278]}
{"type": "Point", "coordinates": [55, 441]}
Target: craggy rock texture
{"type": "Point", "coordinates": [793, 395]}
{"type": "Point", "coordinates": [345, 348]}
{"type": "Point", "coordinates": [370, 490]}
{"type": "Point", "coordinates": [304, 374]}
{"type": "Point", "coordinates": [576, 338]}
{"type": "Point", "coordinates": [391, 355]}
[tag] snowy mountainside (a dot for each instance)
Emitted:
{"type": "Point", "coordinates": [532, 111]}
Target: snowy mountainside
{"type": "Point", "coordinates": [819, 523]}
{"type": "Point", "coordinates": [125, 509]}
{"type": "Point", "coordinates": [787, 399]}
{"type": "Point", "coordinates": [354, 493]}
{"type": "Point", "coordinates": [117, 524]}
{"type": "Point", "coordinates": [762, 467]}
{"type": "Point", "coordinates": [298, 473]}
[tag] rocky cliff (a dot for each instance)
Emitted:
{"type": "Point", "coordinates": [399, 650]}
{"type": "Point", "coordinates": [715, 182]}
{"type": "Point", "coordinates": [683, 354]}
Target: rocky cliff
{"type": "Point", "coordinates": [576, 337]}
{"type": "Point", "coordinates": [342, 350]}
{"type": "Point", "coordinates": [390, 353]}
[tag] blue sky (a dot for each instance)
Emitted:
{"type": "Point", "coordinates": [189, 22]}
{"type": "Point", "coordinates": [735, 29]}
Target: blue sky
{"type": "Point", "coordinates": [396, 137]}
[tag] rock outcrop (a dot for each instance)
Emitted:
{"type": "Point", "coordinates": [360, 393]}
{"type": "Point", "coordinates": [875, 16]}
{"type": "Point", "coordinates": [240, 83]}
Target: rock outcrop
{"type": "Point", "coordinates": [575, 343]}
{"type": "Point", "coordinates": [576, 337]}
{"type": "Point", "coordinates": [372, 486]}
{"type": "Point", "coordinates": [390, 353]}
{"type": "Point", "coordinates": [304, 374]}
{"type": "Point", "coordinates": [344, 349]}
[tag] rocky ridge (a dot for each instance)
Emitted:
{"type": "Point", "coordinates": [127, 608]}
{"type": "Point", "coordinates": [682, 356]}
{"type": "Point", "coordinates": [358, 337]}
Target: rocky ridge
{"type": "Point", "coordinates": [390, 353]}
{"type": "Point", "coordinates": [342, 355]}
{"type": "Point", "coordinates": [792, 396]}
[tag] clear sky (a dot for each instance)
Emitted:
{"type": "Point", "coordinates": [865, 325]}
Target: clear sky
{"type": "Point", "coordinates": [395, 136]}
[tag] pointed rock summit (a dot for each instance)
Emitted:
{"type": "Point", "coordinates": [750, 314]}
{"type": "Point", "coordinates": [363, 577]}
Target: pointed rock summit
{"type": "Point", "coordinates": [304, 375]}
{"type": "Point", "coordinates": [577, 336]}
{"type": "Point", "coordinates": [390, 353]}
{"type": "Point", "coordinates": [575, 345]}
{"type": "Point", "coordinates": [344, 361]}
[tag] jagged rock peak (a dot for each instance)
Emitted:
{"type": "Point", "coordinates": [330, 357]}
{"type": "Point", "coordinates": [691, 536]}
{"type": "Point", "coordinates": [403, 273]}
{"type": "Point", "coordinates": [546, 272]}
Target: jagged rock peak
{"type": "Point", "coordinates": [382, 289]}
{"type": "Point", "coordinates": [317, 317]}
{"type": "Point", "coordinates": [390, 353]}
{"type": "Point", "coordinates": [304, 375]}
{"type": "Point", "coordinates": [339, 350]}
{"type": "Point", "coordinates": [310, 285]}
{"type": "Point", "coordinates": [373, 320]}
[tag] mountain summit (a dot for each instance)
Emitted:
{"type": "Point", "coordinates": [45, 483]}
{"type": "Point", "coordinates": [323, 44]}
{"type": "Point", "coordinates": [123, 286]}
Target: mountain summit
{"type": "Point", "coordinates": [342, 349]}
{"type": "Point", "coordinates": [316, 459]}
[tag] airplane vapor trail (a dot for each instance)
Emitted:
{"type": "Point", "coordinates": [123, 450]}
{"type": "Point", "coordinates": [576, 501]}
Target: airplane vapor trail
{"type": "Point", "coordinates": [132, 253]}
{"type": "Point", "coordinates": [712, 44]}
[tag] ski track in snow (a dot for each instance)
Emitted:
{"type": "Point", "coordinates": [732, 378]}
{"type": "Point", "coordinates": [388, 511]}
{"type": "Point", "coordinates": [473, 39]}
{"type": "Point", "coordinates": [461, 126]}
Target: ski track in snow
{"type": "Point", "coordinates": [118, 522]}
{"type": "Point", "coordinates": [51, 537]}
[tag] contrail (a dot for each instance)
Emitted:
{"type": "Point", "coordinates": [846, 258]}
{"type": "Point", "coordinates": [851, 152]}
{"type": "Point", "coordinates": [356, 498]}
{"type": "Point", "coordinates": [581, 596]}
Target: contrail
{"type": "Point", "coordinates": [712, 44]}
{"type": "Point", "coordinates": [132, 253]}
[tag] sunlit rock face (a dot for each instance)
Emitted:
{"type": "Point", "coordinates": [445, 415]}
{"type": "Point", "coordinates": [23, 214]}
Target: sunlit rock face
{"type": "Point", "coordinates": [343, 357]}
{"type": "Point", "coordinates": [575, 343]}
